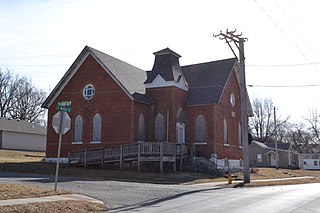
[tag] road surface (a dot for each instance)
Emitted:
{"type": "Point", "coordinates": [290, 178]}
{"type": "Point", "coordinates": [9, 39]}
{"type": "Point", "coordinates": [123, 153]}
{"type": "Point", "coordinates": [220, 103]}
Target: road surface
{"type": "Point", "coordinates": [145, 197]}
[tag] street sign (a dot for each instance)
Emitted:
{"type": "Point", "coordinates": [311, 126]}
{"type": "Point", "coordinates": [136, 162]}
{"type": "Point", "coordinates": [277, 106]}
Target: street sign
{"type": "Point", "coordinates": [61, 122]}
{"type": "Point", "coordinates": [64, 106]}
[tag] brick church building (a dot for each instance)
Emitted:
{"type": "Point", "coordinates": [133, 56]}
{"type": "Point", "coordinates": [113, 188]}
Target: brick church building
{"type": "Point", "coordinates": [116, 103]}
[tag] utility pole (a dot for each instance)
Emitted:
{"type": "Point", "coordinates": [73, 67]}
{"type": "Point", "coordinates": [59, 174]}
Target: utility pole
{"type": "Point", "coordinates": [275, 134]}
{"type": "Point", "coordinates": [238, 41]}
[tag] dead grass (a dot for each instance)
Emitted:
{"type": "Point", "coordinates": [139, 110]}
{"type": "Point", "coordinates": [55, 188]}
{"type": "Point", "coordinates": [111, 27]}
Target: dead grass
{"type": "Point", "coordinates": [11, 156]}
{"type": "Point", "coordinates": [56, 207]}
{"type": "Point", "coordinates": [17, 191]}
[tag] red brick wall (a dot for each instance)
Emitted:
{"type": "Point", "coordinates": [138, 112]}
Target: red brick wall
{"type": "Point", "coordinates": [214, 116]}
{"type": "Point", "coordinates": [171, 97]}
{"type": "Point", "coordinates": [225, 110]}
{"type": "Point", "coordinates": [110, 101]}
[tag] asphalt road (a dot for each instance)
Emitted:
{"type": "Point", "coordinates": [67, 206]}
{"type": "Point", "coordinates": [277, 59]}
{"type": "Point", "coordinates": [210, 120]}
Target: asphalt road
{"type": "Point", "coordinates": [142, 197]}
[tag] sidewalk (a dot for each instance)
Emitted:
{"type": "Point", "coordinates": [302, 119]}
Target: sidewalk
{"type": "Point", "coordinates": [76, 197]}
{"type": "Point", "coordinates": [252, 181]}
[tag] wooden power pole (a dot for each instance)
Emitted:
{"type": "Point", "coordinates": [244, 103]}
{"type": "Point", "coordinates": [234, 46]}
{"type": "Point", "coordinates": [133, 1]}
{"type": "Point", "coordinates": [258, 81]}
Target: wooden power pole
{"type": "Point", "coordinates": [238, 41]}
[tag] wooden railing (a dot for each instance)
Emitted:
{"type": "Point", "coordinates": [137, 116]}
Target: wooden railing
{"type": "Point", "coordinates": [142, 150]}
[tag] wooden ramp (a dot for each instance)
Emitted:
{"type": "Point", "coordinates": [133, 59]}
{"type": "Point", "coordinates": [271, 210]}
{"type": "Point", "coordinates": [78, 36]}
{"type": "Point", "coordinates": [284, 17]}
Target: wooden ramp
{"type": "Point", "coordinates": [140, 152]}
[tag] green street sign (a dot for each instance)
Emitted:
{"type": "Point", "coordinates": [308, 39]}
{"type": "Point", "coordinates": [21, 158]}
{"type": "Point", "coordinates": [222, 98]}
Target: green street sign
{"type": "Point", "coordinates": [64, 108]}
{"type": "Point", "coordinates": [64, 103]}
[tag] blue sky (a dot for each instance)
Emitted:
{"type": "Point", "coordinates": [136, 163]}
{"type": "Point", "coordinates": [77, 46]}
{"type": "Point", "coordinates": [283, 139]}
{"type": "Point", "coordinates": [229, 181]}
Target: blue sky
{"type": "Point", "coordinates": [40, 39]}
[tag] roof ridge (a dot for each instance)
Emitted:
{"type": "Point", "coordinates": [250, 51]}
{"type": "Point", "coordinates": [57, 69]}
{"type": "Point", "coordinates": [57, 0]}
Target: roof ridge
{"type": "Point", "coordinates": [208, 62]}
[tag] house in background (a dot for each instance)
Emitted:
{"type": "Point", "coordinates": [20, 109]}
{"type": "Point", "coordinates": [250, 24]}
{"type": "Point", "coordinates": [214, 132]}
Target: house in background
{"type": "Point", "coordinates": [115, 103]}
{"type": "Point", "coordinates": [311, 161]}
{"type": "Point", "coordinates": [22, 135]}
{"type": "Point", "coordinates": [264, 155]}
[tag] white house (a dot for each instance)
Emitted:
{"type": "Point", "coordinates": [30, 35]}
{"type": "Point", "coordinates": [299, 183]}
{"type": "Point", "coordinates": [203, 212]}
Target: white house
{"type": "Point", "coordinates": [311, 161]}
{"type": "Point", "coordinates": [22, 135]}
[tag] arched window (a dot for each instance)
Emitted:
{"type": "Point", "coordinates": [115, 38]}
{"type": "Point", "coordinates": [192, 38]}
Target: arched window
{"type": "Point", "coordinates": [159, 127]}
{"type": "Point", "coordinates": [239, 134]}
{"type": "Point", "coordinates": [77, 137]}
{"type": "Point", "coordinates": [141, 128]}
{"type": "Point", "coordinates": [96, 128]}
{"type": "Point", "coordinates": [225, 131]}
{"type": "Point", "coordinates": [180, 115]}
{"type": "Point", "coordinates": [200, 129]}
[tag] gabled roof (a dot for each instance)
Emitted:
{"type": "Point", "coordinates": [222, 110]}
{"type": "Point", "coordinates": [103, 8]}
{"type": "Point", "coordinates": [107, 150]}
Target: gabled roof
{"type": "Point", "coordinates": [282, 146]}
{"type": "Point", "coordinates": [21, 126]}
{"type": "Point", "coordinates": [128, 77]}
{"type": "Point", "coordinates": [207, 81]}
{"type": "Point", "coordinates": [272, 146]}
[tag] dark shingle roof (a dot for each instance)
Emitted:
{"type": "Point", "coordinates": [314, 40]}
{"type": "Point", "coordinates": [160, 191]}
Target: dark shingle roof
{"type": "Point", "coordinates": [166, 64]}
{"type": "Point", "coordinates": [283, 146]}
{"type": "Point", "coordinates": [144, 98]}
{"type": "Point", "coordinates": [206, 81]}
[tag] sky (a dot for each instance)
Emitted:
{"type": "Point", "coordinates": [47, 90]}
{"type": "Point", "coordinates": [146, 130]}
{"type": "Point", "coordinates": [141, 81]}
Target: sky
{"type": "Point", "coordinates": [40, 39]}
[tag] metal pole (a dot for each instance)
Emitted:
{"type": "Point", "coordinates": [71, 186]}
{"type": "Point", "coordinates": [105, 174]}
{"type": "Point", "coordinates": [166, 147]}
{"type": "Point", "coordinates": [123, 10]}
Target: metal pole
{"type": "Point", "coordinates": [275, 133]}
{"type": "Point", "coordinates": [59, 148]}
{"type": "Point", "coordinates": [244, 114]}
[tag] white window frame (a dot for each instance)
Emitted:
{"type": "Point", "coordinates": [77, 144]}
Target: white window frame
{"type": "Point", "coordinates": [96, 129]}
{"type": "Point", "coordinates": [225, 133]}
{"type": "Point", "coordinates": [88, 92]}
{"type": "Point", "coordinates": [78, 126]}
{"type": "Point", "coordinates": [200, 130]}
{"type": "Point", "coordinates": [159, 128]}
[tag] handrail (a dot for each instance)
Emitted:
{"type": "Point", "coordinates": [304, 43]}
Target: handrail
{"type": "Point", "coordinates": [128, 151]}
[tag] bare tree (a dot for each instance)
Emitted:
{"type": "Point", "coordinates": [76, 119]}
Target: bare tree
{"type": "Point", "coordinates": [26, 105]}
{"type": "Point", "coordinates": [262, 124]}
{"type": "Point", "coordinates": [8, 86]}
{"type": "Point", "coordinates": [19, 99]}
{"type": "Point", "coordinates": [313, 120]}
{"type": "Point", "coordinates": [300, 138]}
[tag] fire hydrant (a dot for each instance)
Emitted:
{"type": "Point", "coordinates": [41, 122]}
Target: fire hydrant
{"type": "Point", "coordinates": [229, 178]}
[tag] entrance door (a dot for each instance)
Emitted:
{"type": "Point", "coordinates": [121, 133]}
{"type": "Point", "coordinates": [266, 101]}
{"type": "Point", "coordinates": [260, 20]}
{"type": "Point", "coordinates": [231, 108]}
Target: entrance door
{"type": "Point", "coordinates": [180, 133]}
{"type": "Point", "coordinates": [180, 128]}
{"type": "Point", "coordinates": [273, 159]}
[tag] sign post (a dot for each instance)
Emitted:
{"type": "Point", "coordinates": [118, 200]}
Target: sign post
{"type": "Point", "coordinates": [61, 123]}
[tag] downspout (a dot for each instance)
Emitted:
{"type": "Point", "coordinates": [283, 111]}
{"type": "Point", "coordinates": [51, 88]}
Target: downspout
{"type": "Point", "coordinates": [168, 124]}
{"type": "Point", "coordinates": [132, 122]}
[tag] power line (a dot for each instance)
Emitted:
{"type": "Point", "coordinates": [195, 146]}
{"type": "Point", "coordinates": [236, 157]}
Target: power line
{"type": "Point", "coordinates": [283, 65]}
{"type": "Point", "coordinates": [305, 85]}
{"type": "Point", "coordinates": [35, 56]}
{"type": "Point", "coordinates": [283, 32]}
{"type": "Point", "coordinates": [33, 65]}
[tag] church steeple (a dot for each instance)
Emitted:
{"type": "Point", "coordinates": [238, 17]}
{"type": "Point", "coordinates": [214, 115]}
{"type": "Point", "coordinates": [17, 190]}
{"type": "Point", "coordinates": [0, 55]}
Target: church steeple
{"type": "Point", "coordinates": [166, 65]}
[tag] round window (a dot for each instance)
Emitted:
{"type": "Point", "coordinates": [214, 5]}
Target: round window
{"type": "Point", "coordinates": [88, 91]}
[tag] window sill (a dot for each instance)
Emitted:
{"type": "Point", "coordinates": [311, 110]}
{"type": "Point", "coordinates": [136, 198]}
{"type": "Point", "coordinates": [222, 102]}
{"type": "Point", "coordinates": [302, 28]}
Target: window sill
{"type": "Point", "coordinates": [200, 143]}
{"type": "Point", "coordinates": [240, 147]}
{"type": "Point", "coordinates": [76, 143]}
{"type": "Point", "coordinates": [226, 144]}
{"type": "Point", "coordinates": [95, 142]}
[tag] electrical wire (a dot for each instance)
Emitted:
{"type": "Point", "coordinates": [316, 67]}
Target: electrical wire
{"type": "Point", "coordinates": [305, 85]}
{"type": "Point", "coordinates": [283, 32]}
